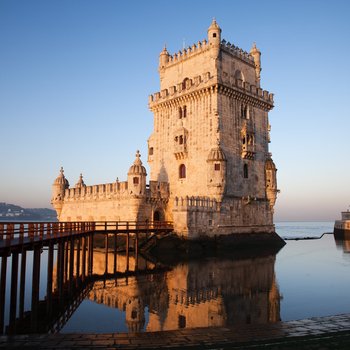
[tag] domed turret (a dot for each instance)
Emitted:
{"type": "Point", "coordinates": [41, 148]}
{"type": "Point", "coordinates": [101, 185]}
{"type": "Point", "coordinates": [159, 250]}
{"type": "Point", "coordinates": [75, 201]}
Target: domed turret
{"type": "Point", "coordinates": [216, 170]}
{"type": "Point", "coordinates": [80, 182]}
{"type": "Point", "coordinates": [137, 177]}
{"type": "Point", "coordinates": [271, 181]}
{"type": "Point", "coordinates": [216, 155]}
{"type": "Point", "coordinates": [214, 37]}
{"type": "Point", "coordinates": [163, 58]}
{"type": "Point", "coordinates": [58, 189]}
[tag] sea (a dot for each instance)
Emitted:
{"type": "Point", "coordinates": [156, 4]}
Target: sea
{"type": "Point", "coordinates": [308, 277]}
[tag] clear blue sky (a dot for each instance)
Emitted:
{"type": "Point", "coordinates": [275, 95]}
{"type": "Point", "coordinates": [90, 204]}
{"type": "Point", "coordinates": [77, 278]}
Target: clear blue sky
{"type": "Point", "coordinates": [75, 76]}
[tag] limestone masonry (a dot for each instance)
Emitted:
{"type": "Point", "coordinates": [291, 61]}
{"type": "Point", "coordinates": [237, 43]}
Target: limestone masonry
{"type": "Point", "coordinates": [211, 170]}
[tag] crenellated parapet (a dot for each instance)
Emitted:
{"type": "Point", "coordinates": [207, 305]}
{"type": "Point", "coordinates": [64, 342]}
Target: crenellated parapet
{"type": "Point", "coordinates": [97, 192]}
{"type": "Point", "coordinates": [194, 88]}
{"type": "Point", "coordinates": [237, 52]}
{"type": "Point", "coordinates": [199, 48]}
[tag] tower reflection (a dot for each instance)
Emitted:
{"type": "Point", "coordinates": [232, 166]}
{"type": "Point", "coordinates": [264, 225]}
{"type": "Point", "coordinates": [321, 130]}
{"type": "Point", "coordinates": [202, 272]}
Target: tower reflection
{"type": "Point", "coordinates": [206, 293]}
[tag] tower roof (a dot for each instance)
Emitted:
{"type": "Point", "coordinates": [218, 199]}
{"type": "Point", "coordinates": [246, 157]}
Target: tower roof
{"type": "Point", "coordinates": [61, 180]}
{"type": "Point", "coordinates": [137, 168]}
{"type": "Point", "coordinates": [80, 182]}
{"type": "Point", "coordinates": [216, 154]}
{"type": "Point", "coordinates": [214, 25]}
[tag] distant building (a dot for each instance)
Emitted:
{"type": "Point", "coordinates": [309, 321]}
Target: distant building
{"type": "Point", "coordinates": [211, 170]}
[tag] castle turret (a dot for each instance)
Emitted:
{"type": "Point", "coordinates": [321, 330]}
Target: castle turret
{"type": "Point", "coordinates": [58, 189]}
{"type": "Point", "coordinates": [134, 315]}
{"type": "Point", "coordinates": [80, 182]}
{"type": "Point", "coordinates": [216, 171]}
{"type": "Point", "coordinates": [137, 177]}
{"type": "Point", "coordinates": [271, 182]}
{"type": "Point", "coordinates": [163, 58]}
{"type": "Point", "coordinates": [214, 37]}
{"type": "Point", "coordinates": [255, 52]}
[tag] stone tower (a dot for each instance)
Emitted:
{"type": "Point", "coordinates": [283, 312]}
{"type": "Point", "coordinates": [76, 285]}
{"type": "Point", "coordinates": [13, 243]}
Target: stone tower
{"type": "Point", "coordinates": [210, 139]}
{"type": "Point", "coordinates": [58, 190]}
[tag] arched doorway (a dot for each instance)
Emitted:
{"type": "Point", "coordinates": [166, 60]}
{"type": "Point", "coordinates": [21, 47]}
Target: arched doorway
{"type": "Point", "coordinates": [156, 216]}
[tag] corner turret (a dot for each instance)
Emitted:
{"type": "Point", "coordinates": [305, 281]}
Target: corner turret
{"type": "Point", "coordinates": [216, 170]}
{"type": "Point", "coordinates": [255, 52]}
{"type": "Point", "coordinates": [214, 37]}
{"type": "Point", "coordinates": [137, 177]}
{"type": "Point", "coordinates": [80, 182]}
{"type": "Point", "coordinates": [163, 58]}
{"type": "Point", "coordinates": [58, 189]}
{"type": "Point", "coordinates": [271, 181]}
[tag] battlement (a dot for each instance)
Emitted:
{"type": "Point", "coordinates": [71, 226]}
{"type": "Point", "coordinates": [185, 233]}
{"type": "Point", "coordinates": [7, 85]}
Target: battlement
{"type": "Point", "coordinates": [103, 191]}
{"type": "Point", "coordinates": [237, 52]}
{"type": "Point", "coordinates": [114, 190]}
{"type": "Point", "coordinates": [204, 81]}
{"type": "Point", "coordinates": [203, 46]}
{"type": "Point", "coordinates": [197, 202]}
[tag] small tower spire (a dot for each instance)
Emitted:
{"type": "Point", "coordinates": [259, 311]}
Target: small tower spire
{"type": "Point", "coordinates": [163, 58]}
{"type": "Point", "coordinates": [255, 52]}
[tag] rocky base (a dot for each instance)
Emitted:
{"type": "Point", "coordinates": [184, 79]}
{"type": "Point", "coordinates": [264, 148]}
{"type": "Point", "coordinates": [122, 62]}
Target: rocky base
{"type": "Point", "coordinates": [171, 249]}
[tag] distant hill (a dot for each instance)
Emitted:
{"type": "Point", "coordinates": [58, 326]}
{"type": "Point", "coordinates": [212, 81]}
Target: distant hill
{"type": "Point", "coordinates": [12, 212]}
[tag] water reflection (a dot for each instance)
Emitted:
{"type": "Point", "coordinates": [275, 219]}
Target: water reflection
{"type": "Point", "coordinates": [208, 293]}
{"type": "Point", "coordinates": [342, 241]}
{"type": "Point", "coordinates": [46, 288]}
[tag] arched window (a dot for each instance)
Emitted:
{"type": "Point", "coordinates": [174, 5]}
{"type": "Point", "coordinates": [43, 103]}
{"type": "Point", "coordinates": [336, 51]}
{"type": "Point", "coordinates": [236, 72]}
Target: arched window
{"type": "Point", "coordinates": [150, 151]}
{"type": "Point", "coordinates": [245, 171]}
{"type": "Point", "coordinates": [182, 171]}
{"type": "Point", "coordinates": [135, 180]}
{"type": "Point", "coordinates": [184, 111]}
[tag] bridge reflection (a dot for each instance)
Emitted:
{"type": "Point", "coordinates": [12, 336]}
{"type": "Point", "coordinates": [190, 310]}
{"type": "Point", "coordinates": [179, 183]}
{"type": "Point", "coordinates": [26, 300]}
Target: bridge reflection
{"type": "Point", "coordinates": [43, 282]}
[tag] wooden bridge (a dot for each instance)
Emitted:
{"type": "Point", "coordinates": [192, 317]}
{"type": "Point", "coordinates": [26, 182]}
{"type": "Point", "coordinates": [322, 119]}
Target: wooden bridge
{"type": "Point", "coordinates": [69, 249]}
{"type": "Point", "coordinates": [15, 235]}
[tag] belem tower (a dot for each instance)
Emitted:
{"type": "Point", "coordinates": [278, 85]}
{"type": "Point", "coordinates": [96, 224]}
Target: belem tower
{"type": "Point", "coordinates": [211, 172]}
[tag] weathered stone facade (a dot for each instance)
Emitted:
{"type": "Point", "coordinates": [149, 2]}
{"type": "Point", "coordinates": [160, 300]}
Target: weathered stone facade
{"type": "Point", "coordinates": [211, 170]}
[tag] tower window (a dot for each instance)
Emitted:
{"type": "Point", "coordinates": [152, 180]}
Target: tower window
{"type": "Point", "coordinates": [214, 35]}
{"type": "Point", "coordinates": [244, 111]}
{"type": "Point", "coordinates": [184, 112]}
{"type": "Point", "coordinates": [150, 151]}
{"type": "Point", "coordinates": [182, 171]}
{"type": "Point", "coordinates": [217, 167]}
{"type": "Point", "coordinates": [135, 180]}
{"type": "Point", "coordinates": [180, 112]}
{"type": "Point", "coordinates": [245, 171]}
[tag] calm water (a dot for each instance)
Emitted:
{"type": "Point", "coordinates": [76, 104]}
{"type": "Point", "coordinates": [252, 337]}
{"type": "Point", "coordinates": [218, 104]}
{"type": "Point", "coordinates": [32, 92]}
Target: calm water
{"type": "Point", "coordinates": [305, 278]}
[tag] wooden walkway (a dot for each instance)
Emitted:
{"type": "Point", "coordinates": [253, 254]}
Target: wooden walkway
{"type": "Point", "coordinates": [16, 235]}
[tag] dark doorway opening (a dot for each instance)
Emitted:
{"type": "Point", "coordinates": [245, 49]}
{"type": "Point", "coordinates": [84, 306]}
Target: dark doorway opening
{"type": "Point", "coordinates": [156, 216]}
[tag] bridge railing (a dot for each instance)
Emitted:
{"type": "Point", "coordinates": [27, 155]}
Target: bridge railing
{"type": "Point", "coordinates": [20, 230]}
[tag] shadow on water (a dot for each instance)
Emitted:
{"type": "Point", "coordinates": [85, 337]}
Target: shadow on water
{"type": "Point", "coordinates": [42, 287]}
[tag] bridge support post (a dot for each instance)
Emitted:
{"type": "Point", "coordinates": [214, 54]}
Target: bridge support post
{"type": "Point", "coordinates": [49, 280]}
{"type": "Point", "coordinates": [35, 288]}
{"type": "Point", "coordinates": [106, 253]}
{"type": "Point", "coordinates": [83, 267]}
{"type": "Point", "coordinates": [13, 292]}
{"type": "Point", "coordinates": [127, 251]}
{"type": "Point", "coordinates": [22, 283]}
{"type": "Point", "coordinates": [2, 291]}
